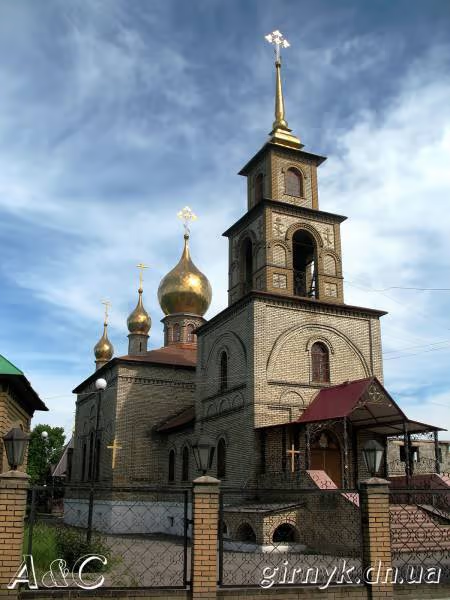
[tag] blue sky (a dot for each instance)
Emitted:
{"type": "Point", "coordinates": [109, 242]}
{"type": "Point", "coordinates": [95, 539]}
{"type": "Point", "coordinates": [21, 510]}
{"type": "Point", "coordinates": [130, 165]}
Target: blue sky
{"type": "Point", "coordinates": [116, 114]}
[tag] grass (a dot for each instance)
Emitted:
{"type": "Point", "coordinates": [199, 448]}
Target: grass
{"type": "Point", "coordinates": [44, 548]}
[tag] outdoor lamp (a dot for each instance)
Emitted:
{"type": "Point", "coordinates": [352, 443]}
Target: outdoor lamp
{"type": "Point", "coordinates": [203, 450]}
{"type": "Point", "coordinates": [373, 453]}
{"type": "Point", "coordinates": [100, 384]}
{"type": "Point", "coordinates": [15, 442]}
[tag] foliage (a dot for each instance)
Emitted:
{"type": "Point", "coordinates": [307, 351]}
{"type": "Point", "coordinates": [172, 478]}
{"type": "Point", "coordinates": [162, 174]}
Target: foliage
{"type": "Point", "coordinates": [44, 546]}
{"type": "Point", "coordinates": [71, 545]}
{"type": "Point", "coordinates": [42, 453]}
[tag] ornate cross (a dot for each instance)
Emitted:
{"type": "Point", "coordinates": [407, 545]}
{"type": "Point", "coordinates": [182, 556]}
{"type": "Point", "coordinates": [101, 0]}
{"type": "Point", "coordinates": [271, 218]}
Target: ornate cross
{"type": "Point", "coordinates": [293, 453]}
{"type": "Point", "coordinates": [107, 305]}
{"type": "Point", "coordinates": [141, 268]}
{"type": "Point", "coordinates": [278, 40]}
{"type": "Point", "coordinates": [114, 447]}
{"type": "Point", "coordinates": [186, 215]}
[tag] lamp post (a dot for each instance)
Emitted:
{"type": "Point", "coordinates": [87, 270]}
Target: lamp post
{"type": "Point", "coordinates": [15, 442]}
{"type": "Point", "coordinates": [203, 450]}
{"type": "Point", "coordinates": [373, 454]}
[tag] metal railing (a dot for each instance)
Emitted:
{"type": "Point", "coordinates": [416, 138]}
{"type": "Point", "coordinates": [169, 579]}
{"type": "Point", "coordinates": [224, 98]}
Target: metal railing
{"type": "Point", "coordinates": [274, 538]}
{"type": "Point", "coordinates": [144, 533]}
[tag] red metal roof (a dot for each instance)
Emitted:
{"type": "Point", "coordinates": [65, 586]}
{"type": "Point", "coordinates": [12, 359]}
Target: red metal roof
{"type": "Point", "coordinates": [180, 356]}
{"type": "Point", "coordinates": [181, 420]}
{"type": "Point", "coordinates": [336, 402]}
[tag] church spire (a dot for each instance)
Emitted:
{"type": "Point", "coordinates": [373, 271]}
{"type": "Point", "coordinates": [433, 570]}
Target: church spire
{"type": "Point", "coordinates": [280, 134]}
{"type": "Point", "coordinates": [103, 349]}
{"type": "Point", "coordinates": [139, 322]}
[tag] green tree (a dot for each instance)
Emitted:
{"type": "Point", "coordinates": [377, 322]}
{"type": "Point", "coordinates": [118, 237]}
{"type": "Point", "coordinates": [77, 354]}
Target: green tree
{"type": "Point", "coordinates": [44, 452]}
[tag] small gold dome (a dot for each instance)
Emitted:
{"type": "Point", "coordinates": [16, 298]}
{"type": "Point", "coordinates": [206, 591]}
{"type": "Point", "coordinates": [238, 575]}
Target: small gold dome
{"type": "Point", "coordinates": [103, 349]}
{"type": "Point", "coordinates": [185, 289]}
{"type": "Point", "coordinates": [139, 320]}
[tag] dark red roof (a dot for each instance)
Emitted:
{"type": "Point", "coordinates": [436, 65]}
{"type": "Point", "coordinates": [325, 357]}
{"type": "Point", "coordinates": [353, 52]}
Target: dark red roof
{"type": "Point", "coordinates": [180, 356]}
{"type": "Point", "coordinates": [181, 420]}
{"type": "Point", "coordinates": [336, 402]}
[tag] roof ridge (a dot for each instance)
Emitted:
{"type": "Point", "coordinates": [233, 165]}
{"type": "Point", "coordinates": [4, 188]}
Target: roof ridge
{"type": "Point", "coordinates": [11, 369]}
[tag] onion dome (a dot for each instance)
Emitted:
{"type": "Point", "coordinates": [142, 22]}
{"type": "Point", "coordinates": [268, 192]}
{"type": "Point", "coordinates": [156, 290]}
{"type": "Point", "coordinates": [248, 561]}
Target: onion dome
{"type": "Point", "coordinates": [103, 349]}
{"type": "Point", "coordinates": [139, 320]}
{"type": "Point", "coordinates": [185, 289]}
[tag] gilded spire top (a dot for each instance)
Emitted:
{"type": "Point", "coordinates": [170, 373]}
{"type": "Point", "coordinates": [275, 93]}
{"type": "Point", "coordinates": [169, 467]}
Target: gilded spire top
{"type": "Point", "coordinates": [139, 321]}
{"type": "Point", "coordinates": [141, 268]}
{"type": "Point", "coordinates": [103, 349]}
{"type": "Point", "coordinates": [185, 289]}
{"type": "Point", "coordinates": [280, 134]}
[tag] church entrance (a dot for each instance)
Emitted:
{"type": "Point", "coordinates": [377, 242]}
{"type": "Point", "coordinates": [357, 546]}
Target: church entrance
{"type": "Point", "coordinates": [326, 456]}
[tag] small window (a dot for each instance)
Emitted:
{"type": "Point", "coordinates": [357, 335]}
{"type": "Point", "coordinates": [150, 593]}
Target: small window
{"type": "Point", "coordinates": [190, 335]}
{"type": "Point", "coordinates": [259, 184]}
{"type": "Point", "coordinates": [413, 454]}
{"type": "Point", "coordinates": [221, 459]}
{"type": "Point", "coordinates": [176, 333]}
{"type": "Point", "coordinates": [185, 467]}
{"type": "Point", "coordinates": [320, 363]}
{"type": "Point", "coordinates": [172, 466]}
{"type": "Point", "coordinates": [294, 183]}
{"type": "Point", "coordinates": [223, 371]}
{"type": "Point", "coordinates": [91, 457]}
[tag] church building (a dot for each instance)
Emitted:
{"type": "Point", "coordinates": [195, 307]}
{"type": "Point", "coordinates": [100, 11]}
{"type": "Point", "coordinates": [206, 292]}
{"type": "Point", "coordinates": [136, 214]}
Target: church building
{"type": "Point", "coordinates": [287, 380]}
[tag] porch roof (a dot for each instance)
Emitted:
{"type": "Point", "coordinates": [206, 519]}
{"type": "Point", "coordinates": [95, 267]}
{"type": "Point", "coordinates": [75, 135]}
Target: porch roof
{"type": "Point", "coordinates": [367, 404]}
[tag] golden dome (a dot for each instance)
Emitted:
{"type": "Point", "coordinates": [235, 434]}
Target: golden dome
{"type": "Point", "coordinates": [185, 289]}
{"type": "Point", "coordinates": [103, 349]}
{"type": "Point", "coordinates": [139, 320]}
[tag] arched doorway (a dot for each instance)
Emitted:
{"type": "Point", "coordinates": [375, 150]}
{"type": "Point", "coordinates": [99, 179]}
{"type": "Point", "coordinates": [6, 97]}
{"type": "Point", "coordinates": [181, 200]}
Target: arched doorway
{"type": "Point", "coordinates": [304, 264]}
{"type": "Point", "coordinates": [326, 456]}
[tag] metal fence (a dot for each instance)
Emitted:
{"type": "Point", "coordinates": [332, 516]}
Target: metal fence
{"type": "Point", "coordinates": [420, 535]}
{"type": "Point", "coordinates": [278, 537]}
{"type": "Point", "coordinates": [144, 534]}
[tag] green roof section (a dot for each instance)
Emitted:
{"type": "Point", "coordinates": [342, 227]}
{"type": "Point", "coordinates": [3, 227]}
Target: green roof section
{"type": "Point", "coordinates": [7, 368]}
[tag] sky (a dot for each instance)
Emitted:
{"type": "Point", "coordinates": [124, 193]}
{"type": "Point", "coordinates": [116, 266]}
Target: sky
{"type": "Point", "coordinates": [116, 114]}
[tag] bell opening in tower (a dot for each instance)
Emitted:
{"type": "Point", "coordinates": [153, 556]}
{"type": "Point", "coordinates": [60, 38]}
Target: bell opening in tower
{"type": "Point", "coordinates": [247, 265]}
{"type": "Point", "coordinates": [304, 264]}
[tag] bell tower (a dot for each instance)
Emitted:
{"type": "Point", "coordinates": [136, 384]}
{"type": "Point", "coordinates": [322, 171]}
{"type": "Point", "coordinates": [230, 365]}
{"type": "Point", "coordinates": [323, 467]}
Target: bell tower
{"type": "Point", "coordinates": [284, 244]}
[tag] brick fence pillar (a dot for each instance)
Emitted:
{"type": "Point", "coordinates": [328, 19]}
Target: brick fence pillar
{"type": "Point", "coordinates": [205, 517]}
{"type": "Point", "coordinates": [13, 497]}
{"type": "Point", "coordinates": [376, 532]}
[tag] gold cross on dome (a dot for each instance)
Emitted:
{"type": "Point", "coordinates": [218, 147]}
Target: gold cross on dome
{"type": "Point", "coordinates": [279, 41]}
{"type": "Point", "coordinates": [293, 453]}
{"type": "Point", "coordinates": [107, 305]}
{"type": "Point", "coordinates": [114, 447]}
{"type": "Point", "coordinates": [141, 268]}
{"type": "Point", "coordinates": [186, 215]}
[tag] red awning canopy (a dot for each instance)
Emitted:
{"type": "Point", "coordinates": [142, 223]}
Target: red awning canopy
{"type": "Point", "coordinates": [366, 404]}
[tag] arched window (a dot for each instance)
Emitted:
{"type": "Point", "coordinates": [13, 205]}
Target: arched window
{"type": "Point", "coordinates": [176, 333]}
{"type": "Point", "coordinates": [304, 264]}
{"type": "Point", "coordinates": [190, 335]}
{"type": "Point", "coordinates": [320, 363]}
{"type": "Point", "coordinates": [247, 264]}
{"type": "Point", "coordinates": [221, 459]}
{"type": "Point", "coordinates": [185, 465]}
{"type": "Point", "coordinates": [223, 371]}
{"type": "Point", "coordinates": [245, 533]}
{"type": "Point", "coordinates": [172, 466]}
{"type": "Point", "coordinates": [285, 533]}
{"type": "Point", "coordinates": [259, 191]}
{"type": "Point", "coordinates": [97, 459]}
{"type": "Point", "coordinates": [91, 457]}
{"type": "Point", "coordinates": [83, 463]}
{"type": "Point", "coordinates": [294, 183]}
